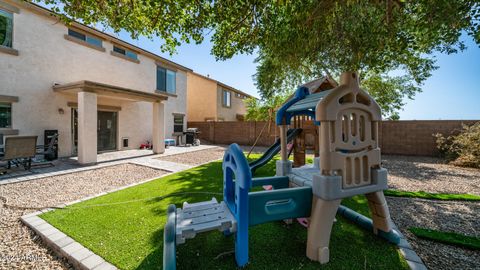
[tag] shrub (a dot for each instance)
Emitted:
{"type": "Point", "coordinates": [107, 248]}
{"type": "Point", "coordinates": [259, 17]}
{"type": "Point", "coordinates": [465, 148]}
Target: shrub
{"type": "Point", "coordinates": [462, 149]}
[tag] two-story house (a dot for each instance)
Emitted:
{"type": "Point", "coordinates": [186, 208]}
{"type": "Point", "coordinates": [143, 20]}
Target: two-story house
{"type": "Point", "coordinates": [99, 92]}
{"type": "Point", "coordinates": [211, 100]}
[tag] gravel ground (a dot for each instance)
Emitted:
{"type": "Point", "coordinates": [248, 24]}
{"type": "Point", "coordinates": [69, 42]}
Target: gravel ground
{"type": "Point", "coordinates": [451, 216]}
{"type": "Point", "coordinates": [197, 157]}
{"type": "Point", "coordinates": [428, 174]}
{"type": "Point", "coordinates": [20, 248]}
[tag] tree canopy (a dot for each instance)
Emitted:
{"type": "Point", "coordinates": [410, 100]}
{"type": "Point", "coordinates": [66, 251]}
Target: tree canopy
{"type": "Point", "coordinates": [300, 40]}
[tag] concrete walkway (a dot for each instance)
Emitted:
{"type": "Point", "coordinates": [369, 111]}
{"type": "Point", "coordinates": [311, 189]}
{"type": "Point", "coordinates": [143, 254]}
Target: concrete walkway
{"type": "Point", "coordinates": [70, 165]}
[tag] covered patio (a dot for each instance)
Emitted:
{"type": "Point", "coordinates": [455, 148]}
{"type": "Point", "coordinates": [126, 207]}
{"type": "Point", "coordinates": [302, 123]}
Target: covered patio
{"type": "Point", "coordinates": [87, 94]}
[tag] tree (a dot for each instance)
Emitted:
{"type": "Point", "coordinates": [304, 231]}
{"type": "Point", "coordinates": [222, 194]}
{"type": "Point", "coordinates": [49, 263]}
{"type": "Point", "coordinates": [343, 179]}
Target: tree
{"type": "Point", "coordinates": [263, 110]}
{"type": "Point", "coordinates": [297, 40]}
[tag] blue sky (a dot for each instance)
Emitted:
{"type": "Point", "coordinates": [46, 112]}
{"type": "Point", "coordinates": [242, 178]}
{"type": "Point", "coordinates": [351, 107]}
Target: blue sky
{"type": "Point", "coordinates": [452, 92]}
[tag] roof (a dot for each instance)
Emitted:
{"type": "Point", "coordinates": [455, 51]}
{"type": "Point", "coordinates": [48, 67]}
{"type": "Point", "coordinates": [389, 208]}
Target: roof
{"type": "Point", "coordinates": [47, 13]}
{"type": "Point", "coordinates": [322, 83]}
{"type": "Point", "coordinates": [303, 101]}
{"type": "Point", "coordinates": [109, 91]}
{"type": "Point", "coordinates": [222, 84]}
{"type": "Point", "coordinates": [308, 103]}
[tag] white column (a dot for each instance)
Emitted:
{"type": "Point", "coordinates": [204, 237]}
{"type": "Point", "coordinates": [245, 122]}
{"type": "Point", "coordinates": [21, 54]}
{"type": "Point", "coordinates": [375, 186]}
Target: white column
{"type": "Point", "coordinates": [158, 136]}
{"type": "Point", "coordinates": [87, 128]}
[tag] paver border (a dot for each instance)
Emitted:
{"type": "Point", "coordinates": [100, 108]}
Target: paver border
{"type": "Point", "coordinates": [407, 252]}
{"type": "Point", "coordinates": [83, 258]}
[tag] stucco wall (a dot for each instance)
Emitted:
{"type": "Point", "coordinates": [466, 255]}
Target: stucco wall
{"type": "Point", "coordinates": [46, 57]}
{"type": "Point", "coordinates": [202, 98]}
{"type": "Point", "coordinates": [229, 113]}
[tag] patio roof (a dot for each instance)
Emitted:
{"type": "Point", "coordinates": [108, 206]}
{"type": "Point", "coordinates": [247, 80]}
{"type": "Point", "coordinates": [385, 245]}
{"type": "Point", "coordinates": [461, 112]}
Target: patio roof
{"type": "Point", "coordinates": [109, 91]}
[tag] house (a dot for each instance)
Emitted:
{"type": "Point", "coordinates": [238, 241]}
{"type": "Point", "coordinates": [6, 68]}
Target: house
{"type": "Point", "coordinates": [211, 100]}
{"type": "Point", "coordinates": [99, 92]}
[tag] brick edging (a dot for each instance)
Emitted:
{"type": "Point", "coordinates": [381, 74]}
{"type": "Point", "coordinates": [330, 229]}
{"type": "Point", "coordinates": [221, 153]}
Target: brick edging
{"type": "Point", "coordinates": [406, 250]}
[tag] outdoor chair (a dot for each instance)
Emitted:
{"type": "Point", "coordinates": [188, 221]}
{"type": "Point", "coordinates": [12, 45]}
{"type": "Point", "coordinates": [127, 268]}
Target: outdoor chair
{"type": "Point", "coordinates": [49, 150]}
{"type": "Point", "coordinates": [19, 150]}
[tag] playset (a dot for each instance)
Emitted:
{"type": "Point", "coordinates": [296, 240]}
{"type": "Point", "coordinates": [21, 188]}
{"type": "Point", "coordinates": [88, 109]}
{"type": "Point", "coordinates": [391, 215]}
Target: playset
{"type": "Point", "coordinates": [348, 164]}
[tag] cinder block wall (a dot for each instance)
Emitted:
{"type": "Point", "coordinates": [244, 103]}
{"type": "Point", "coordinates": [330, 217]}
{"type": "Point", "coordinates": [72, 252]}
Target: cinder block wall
{"type": "Point", "coordinates": [416, 137]}
{"type": "Point", "coordinates": [396, 137]}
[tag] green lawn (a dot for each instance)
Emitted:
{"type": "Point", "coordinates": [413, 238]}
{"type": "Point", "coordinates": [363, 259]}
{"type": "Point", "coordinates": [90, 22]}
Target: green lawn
{"type": "Point", "coordinates": [432, 196]}
{"type": "Point", "coordinates": [126, 228]}
{"type": "Point", "coordinates": [450, 238]}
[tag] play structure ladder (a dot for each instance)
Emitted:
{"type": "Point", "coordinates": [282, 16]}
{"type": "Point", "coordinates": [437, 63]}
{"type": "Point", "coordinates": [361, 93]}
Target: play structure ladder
{"type": "Point", "coordinates": [201, 217]}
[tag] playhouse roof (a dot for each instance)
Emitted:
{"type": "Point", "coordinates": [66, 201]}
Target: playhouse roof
{"type": "Point", "coordinates": [308, 103]}
{"type": "Point", "coordinates": [302, 103]}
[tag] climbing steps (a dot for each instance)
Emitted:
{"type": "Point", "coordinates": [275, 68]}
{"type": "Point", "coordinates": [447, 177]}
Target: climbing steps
{"type": "Point", "coordinates": [201, 217]}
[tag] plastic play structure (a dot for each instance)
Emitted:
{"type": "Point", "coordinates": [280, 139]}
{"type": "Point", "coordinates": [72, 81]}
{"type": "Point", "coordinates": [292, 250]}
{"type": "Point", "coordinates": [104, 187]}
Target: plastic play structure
{"type": "Point", "coordinates": [348, 164]}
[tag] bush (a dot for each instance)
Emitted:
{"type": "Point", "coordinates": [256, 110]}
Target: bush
{"type": "Point", "coordinates": [462, 149]}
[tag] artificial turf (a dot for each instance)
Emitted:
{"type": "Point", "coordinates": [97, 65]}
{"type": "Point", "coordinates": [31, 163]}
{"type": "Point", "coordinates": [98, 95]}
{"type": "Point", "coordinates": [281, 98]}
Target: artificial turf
{"type": "Point", "coordinates": [450, 238]}
{"type": "Point", "coordinates": [432, 196]}
{"type": "Point", "coordinates": [126, 228]}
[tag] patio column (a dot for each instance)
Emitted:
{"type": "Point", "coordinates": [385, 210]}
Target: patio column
{"type": "Point", "coordinates": [158, 136]}
{"type": "Point", "coordinates": [87, 128]}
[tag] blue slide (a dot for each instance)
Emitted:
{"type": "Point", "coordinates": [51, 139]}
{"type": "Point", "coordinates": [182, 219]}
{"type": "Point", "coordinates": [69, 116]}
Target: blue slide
{"type": "Point", "coordinates": [273, 150]}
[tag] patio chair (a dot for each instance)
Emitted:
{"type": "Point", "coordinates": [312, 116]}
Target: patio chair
{"type": "Point", "coordinates": [19, 150]}
{"type": "Point", "coordinates": [50, 149]}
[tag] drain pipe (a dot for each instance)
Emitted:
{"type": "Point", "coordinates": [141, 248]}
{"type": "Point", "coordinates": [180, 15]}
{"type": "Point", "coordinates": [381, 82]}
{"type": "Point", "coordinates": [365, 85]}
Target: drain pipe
{"type": "Point", "coordinates": [367, 224]}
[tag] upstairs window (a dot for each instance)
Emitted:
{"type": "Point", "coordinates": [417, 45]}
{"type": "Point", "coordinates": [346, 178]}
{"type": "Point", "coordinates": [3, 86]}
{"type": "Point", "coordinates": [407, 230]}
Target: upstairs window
{"type": "Point", "coordinates": [226, 98]}
{"type": "Point", "coordinates": [6, 28]}
{"type": "Point", "coordinates": [178, 123]}
{"type": "Point", "coordinates": [238, 95]}
{"type": "Point", "coordinates": [125, 52]}
{"type": "Point", "coordinates": [89, 39]}
{"type": "Point", "coordinates": [5, 115]}
{"type": "Point", "coordinates": [166, 80]}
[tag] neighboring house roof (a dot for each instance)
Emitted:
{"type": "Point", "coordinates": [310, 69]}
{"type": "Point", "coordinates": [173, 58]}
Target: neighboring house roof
{"type": "Point", "coordinates": [223, 85]}
{"type": "Point", "coordinates": [48, 13]}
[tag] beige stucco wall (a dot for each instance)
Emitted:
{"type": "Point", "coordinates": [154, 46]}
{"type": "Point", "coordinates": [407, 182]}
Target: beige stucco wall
{"type": "Point", "coordinates": [204, 100]}
{"type": "Point", "coordinates": [229, 113]}
{"type": "Point", "coordinates": [46, 57]}
{"type": "Point", "coordinates": [201, 98]}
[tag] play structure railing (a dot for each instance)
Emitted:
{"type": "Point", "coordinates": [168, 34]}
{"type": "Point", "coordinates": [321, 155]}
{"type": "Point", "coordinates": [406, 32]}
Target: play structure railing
{"type": "Point", "coordinates": [252, 208]}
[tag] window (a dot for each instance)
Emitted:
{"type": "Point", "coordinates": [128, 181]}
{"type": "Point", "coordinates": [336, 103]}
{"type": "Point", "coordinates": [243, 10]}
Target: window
{"type": "Point", "coordinates": [125, 52]}
{"type": "Point", "coordinates": [178, 123]}
{"type": "Point", "coordinates": [226, 98]}
{"type": "Point", "coordinates": [89, 39]}
{"type": "Point", "coordinates": [240, 95]}
{"type": "Point", "coordinates": [6, 28]}
{"type": "Point", "coordinates": [5, 115]}
{"type": "Point", "coordinates": [166, 80]}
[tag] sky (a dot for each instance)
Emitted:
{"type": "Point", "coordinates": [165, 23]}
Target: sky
{"type": "Point", "coordinates": [452, 92]}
